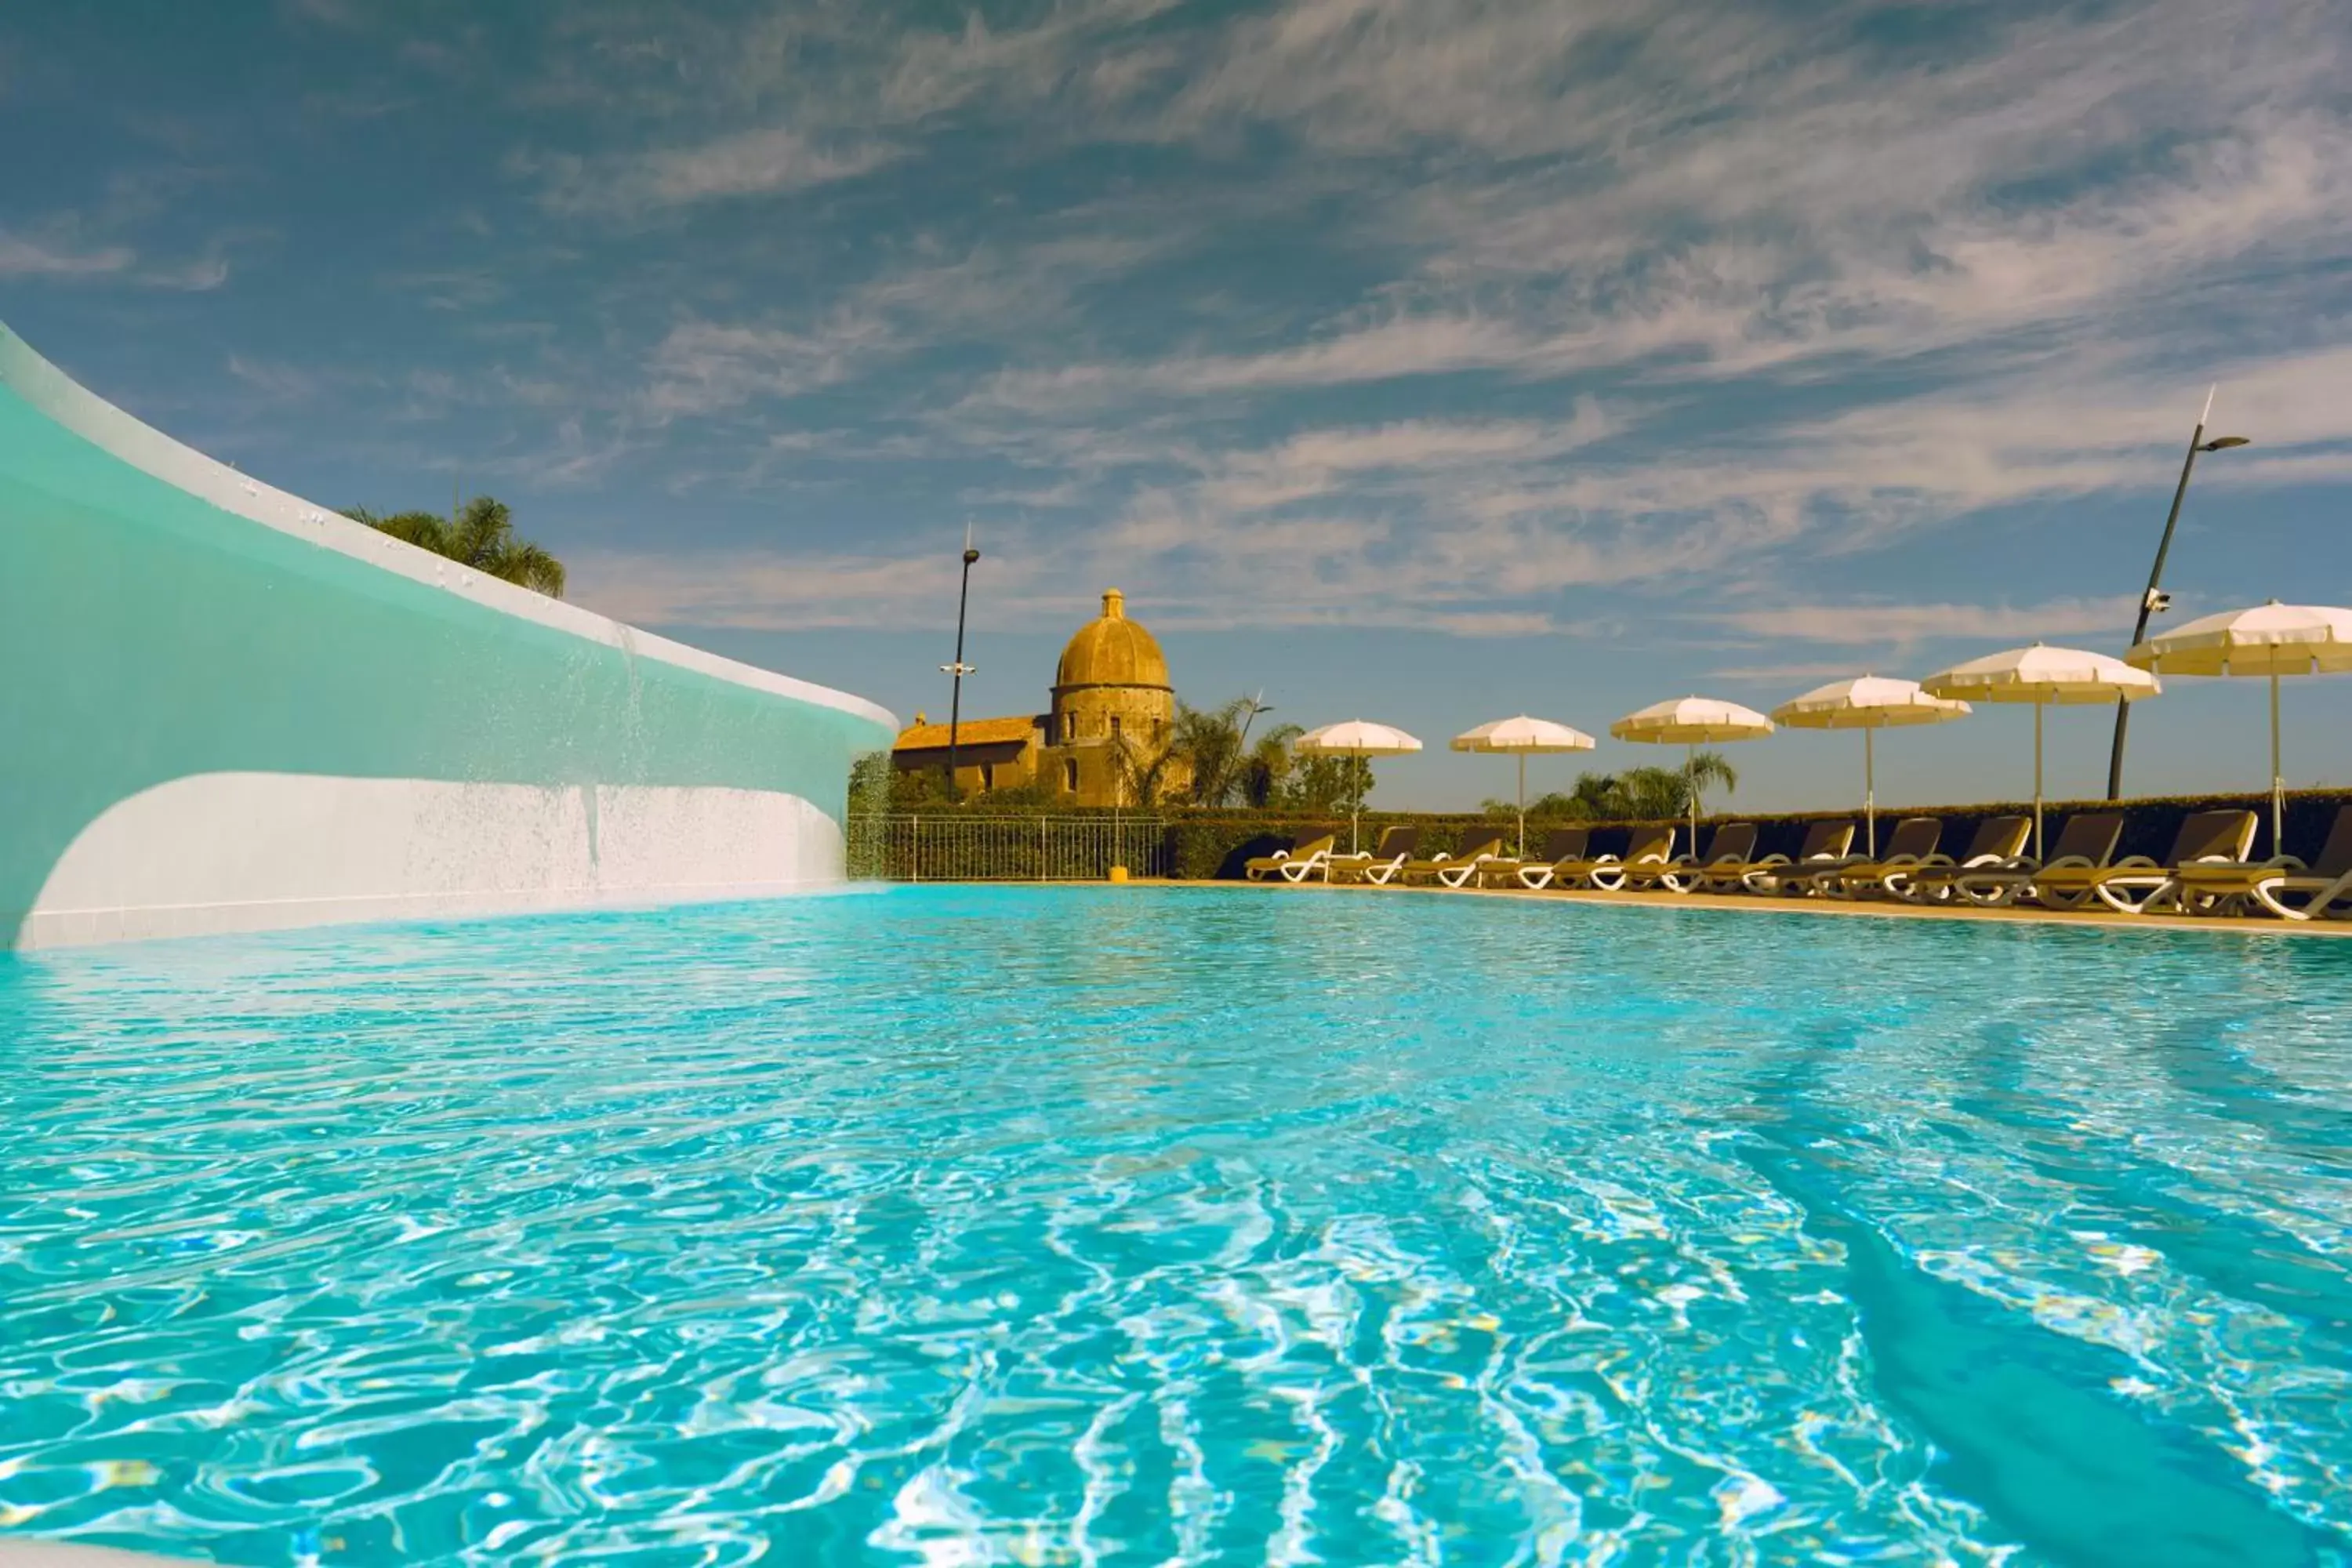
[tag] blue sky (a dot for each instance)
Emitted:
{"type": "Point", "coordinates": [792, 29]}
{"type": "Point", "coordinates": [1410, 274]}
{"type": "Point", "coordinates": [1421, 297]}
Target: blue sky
{"type": "Point", "coordinates": [1424, 362]}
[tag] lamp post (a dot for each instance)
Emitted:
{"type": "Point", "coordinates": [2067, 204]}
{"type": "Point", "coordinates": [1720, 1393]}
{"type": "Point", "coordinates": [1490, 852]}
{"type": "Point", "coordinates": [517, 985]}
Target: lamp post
{"type": "Point", "coordinates": [2156, 598]}
{"type": "Point", "coordinates": [1257, 705]}
{"type": "Point", "coordinates": [959, 669]}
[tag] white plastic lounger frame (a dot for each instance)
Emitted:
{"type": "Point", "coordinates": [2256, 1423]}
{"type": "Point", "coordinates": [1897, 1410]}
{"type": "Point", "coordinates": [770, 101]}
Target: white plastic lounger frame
{"type": "Point", "coordinates": [1460, 871]}
{"type": "Point", "coordinates": [2321, 896]}
{"type": "Point", "coordinates": [1289, 864]}
{"type": "Point", "coordinates": [1536, 879]}
{"type": "Point", "coordinates": [1306, 866]}
{"type": "Point", "coordinates": [1932, 880]}
{"type": "Point", "coordinates": [2159, 885]}
{"type": "Point", "coordinates": [1610, 879]}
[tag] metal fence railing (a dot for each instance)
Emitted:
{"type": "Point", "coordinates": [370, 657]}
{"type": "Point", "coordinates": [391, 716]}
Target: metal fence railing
{"type": "Point", "coordinates": [955, 848]}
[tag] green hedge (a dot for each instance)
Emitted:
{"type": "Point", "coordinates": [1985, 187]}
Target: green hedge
{"type": "Point", "coordinates": [1211, 845]}
{"type": "Point", "coordinates": [1206, 847]}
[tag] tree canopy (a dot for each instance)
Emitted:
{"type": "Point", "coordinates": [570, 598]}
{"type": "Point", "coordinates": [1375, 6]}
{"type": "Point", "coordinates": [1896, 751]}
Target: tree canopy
{"type": "Point", "coordinates": [1227, 767]}
{"type": "Point", "coordinates": [482, 536]}
{"type": "Point", "coordinates": [1637, 794]}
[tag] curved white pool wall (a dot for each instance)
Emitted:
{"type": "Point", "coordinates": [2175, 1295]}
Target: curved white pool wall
{"type": "Point", "coordinates": [223, 707]}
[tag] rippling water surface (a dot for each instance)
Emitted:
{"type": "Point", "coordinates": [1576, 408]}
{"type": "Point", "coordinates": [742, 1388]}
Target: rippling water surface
{"type": "Point", "coordinates": [1141, 1226]}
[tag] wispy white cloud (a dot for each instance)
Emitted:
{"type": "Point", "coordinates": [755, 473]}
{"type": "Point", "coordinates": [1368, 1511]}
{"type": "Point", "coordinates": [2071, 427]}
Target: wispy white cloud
{"type": "Point", "coordinates": [1971, 276]}
{"type": "Point", "coordinates": [1722, 193]}
{"type": "Point", "coordinates": [1410, 454]}
{"type": "Point", "coordinates": [991, 291]}
{"type": "Point", "coordinates": [1483, 525]}
{"type": "Point", "coordinates": [1400, 346]}
{"type": "Point", "coordinates": [1786, 674]}
{"type": "Point", "coordinates": [774, 591]}
{"type": "Point", "coordinates": [200, 276]}
{"type": "Point", "coordinates": [1469, 317]}
{"type": "Point", "coordinates": [772, 160]}
{"type": "Point", "coordinates": [701, 365]}
{"type": "Point", "coordinates": [1905, 626]}
{"type": "Point", "coordinates": [1386, 75]}
{"type": "Point", "coordinates": [855, 93]}
{"type": "Point", "coordinates": [23, 255]}
{"type": "Point", "coordinates": [60, 252]}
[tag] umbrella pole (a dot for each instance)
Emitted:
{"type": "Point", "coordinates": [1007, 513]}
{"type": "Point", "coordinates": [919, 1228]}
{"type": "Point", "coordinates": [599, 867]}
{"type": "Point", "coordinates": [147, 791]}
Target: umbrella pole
{"type": "Point", "coordinates": [2037, 780]}
{"type": "Point", "coordinates": [1690, 777]}
{"type": "Point", "coordinates": [1523, 806]}
{"type": "Point", "coordinates": [2278, 779]}
{"type": "Point", "coordinates": [1870, 791]}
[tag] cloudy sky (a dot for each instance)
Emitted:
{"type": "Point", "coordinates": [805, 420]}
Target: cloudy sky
{"type": "Point", "coordinates": [1426, 361]}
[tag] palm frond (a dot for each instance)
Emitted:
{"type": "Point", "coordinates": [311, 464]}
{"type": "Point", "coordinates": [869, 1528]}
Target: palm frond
{"type": "Point", "coordinates": [533, 568]}
{"type": "Point", "coordinates": [481, 535]}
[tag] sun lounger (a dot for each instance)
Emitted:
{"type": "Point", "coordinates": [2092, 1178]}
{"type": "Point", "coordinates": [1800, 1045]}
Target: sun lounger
{"type": "Point", "coordinates": [1997, 842]}
{"type": "Point", "coordinates": [1574, 865]}
{"type": "Point", "coordinates": [1562, 844]}
{"type": "Point", "coordinates": [2086, 843]}
{"type": "Point", "coordinates": [1824, 844]}
{"type": "Point", "coordinates": [2284, 885]}
{"type": "Point", "coordinates": [1399, 843]}
{"type": "Point", "coordinates": [2137, 884]}
{"type": "Point", "coordinates": [1305, 855]}
{"type": "Point", "coordinates": [1914, 839]}
{"type": "Point", "coordinates": [1648, 848]}
{"type": "Point", "coordinates": [1729, 847]}
{"type": "Point", "coordinates": [1468, 864]}
{"type": "Point", "coordinates": [1451, 869]}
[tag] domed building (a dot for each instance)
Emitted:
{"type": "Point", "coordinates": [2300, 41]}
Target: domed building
{"type": "Point", "coordinates": [1110, 694]}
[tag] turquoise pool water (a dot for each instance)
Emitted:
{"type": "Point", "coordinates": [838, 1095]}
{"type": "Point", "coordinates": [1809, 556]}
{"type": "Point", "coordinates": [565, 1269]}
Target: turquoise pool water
{"type": "Point", "coordinates": [960, 1225]}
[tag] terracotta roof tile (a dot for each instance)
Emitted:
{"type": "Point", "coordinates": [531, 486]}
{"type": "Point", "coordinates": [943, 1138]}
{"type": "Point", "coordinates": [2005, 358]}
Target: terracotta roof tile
{"type": "Point", "coordinates": [971, 732]}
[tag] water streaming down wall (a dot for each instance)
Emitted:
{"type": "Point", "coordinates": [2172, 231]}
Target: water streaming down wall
{"type": "Point", "coordinates": [223, 707]}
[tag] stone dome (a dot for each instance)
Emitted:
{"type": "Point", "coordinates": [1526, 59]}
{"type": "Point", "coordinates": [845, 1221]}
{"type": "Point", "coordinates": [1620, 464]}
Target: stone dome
{"type": "Point", "coordinates": [1112, 650]}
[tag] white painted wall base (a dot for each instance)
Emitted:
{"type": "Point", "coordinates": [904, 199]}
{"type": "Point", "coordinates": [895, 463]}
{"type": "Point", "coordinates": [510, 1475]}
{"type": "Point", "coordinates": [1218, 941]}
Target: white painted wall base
{"type": "Point", "coordinates": [255, 851]}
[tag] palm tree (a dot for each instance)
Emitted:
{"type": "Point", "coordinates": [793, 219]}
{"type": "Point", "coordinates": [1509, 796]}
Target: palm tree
{"type": "Point", "coordinates": [1706, 769]}
{"type": "Point", "coordinates": [1640, 794]}
{"type": "Point", "coordinates": [481, 535]}
{"type": "Point", "coordinates": [1225, 764]}
{"type": "Point", "coordinates": [1268, 764]}
{"type": "Point", "coordinates": [1212, 739]}
{"type": "Point", "coordinates": [1142, 776]}
{"type": "Point", "coordinates": [1652, 793]}
{"type": "Point", "coordinates": [1593, 796]}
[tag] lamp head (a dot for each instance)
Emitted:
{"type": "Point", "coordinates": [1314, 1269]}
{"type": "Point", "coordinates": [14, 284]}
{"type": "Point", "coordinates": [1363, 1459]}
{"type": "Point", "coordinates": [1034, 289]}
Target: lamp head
{"type": "Point", "coordinates": [969, 556]}
{"type": "Point", "coordinates": [2224, 443]}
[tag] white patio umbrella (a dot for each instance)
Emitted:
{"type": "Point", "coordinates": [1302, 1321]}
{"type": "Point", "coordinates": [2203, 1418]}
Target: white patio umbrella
{"type": "Point", "coordinates": [1356, 738]}
{"type": "Point", "coordinates": [1522, 736]}
{"type": "Point", "coordinates": [1693, 723]}
{"type": "Point", "coordinates": [2271, 640]}
{"type": "Point", "coordinates": [1869, 703]}
{"type": "Point", "coordinates": [2041, 675]}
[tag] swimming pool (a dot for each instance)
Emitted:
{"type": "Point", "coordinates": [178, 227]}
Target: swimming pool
{"type": "Point", "coordinates": [953, 1224]}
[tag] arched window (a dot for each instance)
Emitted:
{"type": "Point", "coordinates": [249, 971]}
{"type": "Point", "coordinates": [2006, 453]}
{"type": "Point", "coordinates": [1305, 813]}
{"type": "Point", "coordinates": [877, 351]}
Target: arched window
{"type": "Point", "coordinates": [1070, 774]}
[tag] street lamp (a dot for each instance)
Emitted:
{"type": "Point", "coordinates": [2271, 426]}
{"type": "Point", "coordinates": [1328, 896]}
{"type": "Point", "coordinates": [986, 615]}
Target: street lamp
{"type": "Point", "coordinates": [959, 668]}
{"type": "Point", "coordinates": [2155, 599]}
{"type": "Point", "coordinates": [1257, 705]}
